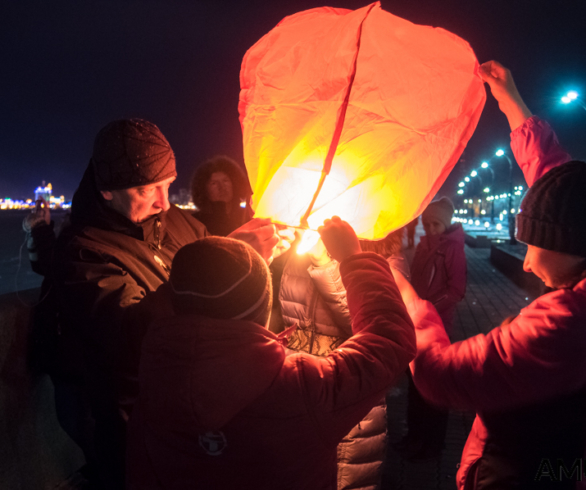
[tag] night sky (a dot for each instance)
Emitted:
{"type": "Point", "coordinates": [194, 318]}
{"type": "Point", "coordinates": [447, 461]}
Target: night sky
{"type": "Point", "coordinates": [68, 67]}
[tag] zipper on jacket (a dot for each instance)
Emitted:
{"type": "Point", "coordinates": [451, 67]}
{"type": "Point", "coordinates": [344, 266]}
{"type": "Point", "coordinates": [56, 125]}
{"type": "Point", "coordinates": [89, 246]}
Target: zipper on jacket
{"type": "Point", "coordinates": [157, 233]}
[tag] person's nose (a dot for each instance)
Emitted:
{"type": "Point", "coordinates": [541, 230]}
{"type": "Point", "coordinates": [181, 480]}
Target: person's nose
{"type": "Point", "coordinates": [162, 201]}
{"type": "Point", "coordinates": [527, 264]}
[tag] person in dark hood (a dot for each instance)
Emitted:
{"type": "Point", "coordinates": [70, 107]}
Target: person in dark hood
{"type": "Point", "coordinates": [221, 192]}
{"type": "Point", "coordinates": [112, 265]}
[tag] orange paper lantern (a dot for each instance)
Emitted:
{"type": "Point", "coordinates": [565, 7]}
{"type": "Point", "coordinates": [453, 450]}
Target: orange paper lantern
{"type": "Point", "coordinates": [359, 114]}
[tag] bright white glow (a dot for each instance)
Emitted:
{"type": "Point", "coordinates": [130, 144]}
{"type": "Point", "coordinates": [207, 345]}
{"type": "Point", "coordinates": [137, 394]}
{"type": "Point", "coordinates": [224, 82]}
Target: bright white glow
{"type": "Point", "coordinates": [461, 184]}
{"type": "Point", "coordinates": [497, 197]}
{"type": "Point", "coordinates": [486, 224]}
{"type": "Point", "coordinates": [467, 179]}
{"type": "Point", "coordinates": [505, 211]}
{"type": "Point", "coordinates": [484, 165]}
{"type": "Point", "coordinates": [242, 204]}
{"type": "Point", "coordinates": [499, 227]}
{"type": "Point", "coordinates": [308, 240]}
{"type": "Point", "coordinates": [499, 153]}
{"type": "Point", "coordinates": [474, 173]}
{"type": "Point", "coordinates": [477, 222]}
{"type": "Point", "coordinates": [566, 99]}
{"type": "Point", "coordinates": [486, 189]}
{"type": "Point", "coordinates": [465, 201]}
{"type": "Point", "coordinates": [483, 212]}
{"type": "Point", "coordinates": [470, 222]}
{"type": "Point", "coordinates": [479, 200]}
{"type": "Point", "coordinates": [572, 95]}
{"type": "Point", "coordinates": [512, 210]}
{"type": "Point", "coordinates": [460, 191]}
{"type": "Point", "coordinates": [520, 187]}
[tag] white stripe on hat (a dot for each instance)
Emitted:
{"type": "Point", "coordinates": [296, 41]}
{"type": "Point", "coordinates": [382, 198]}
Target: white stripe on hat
{"type": "Point", "coordinates": [253, 307]}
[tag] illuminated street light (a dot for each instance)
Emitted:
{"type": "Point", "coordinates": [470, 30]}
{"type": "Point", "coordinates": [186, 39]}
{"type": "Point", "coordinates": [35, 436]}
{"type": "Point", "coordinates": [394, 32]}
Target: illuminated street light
{"type": "Point", "coordinates": [466, 179]}
{"type": "Point", "coordinates": [500, 153]}
{"type": "Point", "coordinates": [460, 191]}
{"type": "Point", "coordinates": [461, 184]}
{"type": "Point", "coordinates": [486, 189]}
{"type": "Point", "coordinates": [484, 165]}
{"type": "Point", "coordinates": [573, 96]}
{"type": "Point", "coordinates": [474, 173]}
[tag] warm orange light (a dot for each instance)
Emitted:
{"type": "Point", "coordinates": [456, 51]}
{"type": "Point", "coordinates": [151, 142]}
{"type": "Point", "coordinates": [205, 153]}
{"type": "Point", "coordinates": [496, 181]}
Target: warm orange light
{"type": "Point", "coordinates": [405, 100]}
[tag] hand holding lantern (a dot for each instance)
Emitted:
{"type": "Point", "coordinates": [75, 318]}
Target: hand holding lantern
{"type": "Point", "coordinates": [339, 238]}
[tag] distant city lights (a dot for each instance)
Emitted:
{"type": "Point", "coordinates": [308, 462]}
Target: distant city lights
{"type": "Point", "coordinates": [45, 192]}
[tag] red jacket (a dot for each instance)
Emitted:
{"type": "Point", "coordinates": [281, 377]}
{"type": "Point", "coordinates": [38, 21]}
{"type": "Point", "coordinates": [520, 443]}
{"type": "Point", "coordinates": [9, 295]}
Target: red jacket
{"type": "Point", "coordinates": [223, 405]}
{"type": "Point", "coordinates": [438, 272]}
{"type": "Point", "coordinates": [518, 374]}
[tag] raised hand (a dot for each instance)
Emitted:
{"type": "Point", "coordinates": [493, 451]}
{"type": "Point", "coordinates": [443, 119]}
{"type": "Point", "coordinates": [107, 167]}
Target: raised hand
{"type": "Point", "coordinates": [504, 90]}
{"type": "Point", "coordinates": [339, 238]}
{"type": "Point", "coordinates": [260, 234]}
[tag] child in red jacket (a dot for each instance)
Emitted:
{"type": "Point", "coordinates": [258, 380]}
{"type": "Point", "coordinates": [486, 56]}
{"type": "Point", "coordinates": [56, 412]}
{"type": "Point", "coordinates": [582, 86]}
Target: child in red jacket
{"type": "Point", "coordinates": [224, 405]}
{"type": "Point", "coordinates": [438, 275]}
{"type": "Point", "coordinates": [526, 379]}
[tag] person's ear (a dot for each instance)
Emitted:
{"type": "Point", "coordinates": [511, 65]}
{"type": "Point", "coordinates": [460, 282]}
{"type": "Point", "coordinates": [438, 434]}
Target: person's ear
{"type": "Point", "coordinates": [107, 195]}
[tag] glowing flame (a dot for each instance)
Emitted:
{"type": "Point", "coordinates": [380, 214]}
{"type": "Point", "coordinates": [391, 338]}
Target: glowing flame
{"type": "Point", "coordinates": [308, 241]}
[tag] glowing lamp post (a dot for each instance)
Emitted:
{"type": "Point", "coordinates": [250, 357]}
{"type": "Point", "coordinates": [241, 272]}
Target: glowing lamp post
{"type": "Point", "coordinates": [358, 114]}
{"type": "Point", "coordinates": [573, 96]}
{"type": "Point", "coordinates": [513, 240]}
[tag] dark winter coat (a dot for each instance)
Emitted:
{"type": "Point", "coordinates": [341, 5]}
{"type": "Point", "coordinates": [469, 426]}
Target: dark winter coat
{"type": "Point", "coordinates": [438, 271]}
{"type": "Point", "coordinates": [220, 223]}
{"type": "Point", "coordinates": [110, 275]}
{"type": "Point", "coordinates": [223, 405]}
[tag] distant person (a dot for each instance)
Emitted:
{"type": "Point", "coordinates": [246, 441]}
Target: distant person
{"type": "Point", "coordinates": [313, 299]}
{"type": "Point", "coordinates": [221, 192]}
{"type": "Point", "coordinates": [526, 379]}
{"type": "Point", "coordinates": [50, 351]}
{"type": "Point", "coordinates": [438, 274]}
{"type": "Point", "coordinates": [411, 227]}
{"type": "Point", "coordinates": [223, 405]}
{"type": "Point", "coordinates": [112, 265]}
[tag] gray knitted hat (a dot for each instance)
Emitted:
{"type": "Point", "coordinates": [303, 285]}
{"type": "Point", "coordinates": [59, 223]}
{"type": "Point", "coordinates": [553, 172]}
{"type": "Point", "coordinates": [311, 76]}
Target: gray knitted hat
{"type": "Point", "coordinates": [221, 278]}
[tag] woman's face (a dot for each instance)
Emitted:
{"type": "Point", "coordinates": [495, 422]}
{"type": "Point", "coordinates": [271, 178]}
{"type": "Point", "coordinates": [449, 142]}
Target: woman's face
{"type": "Point", "coordinates": [433, 226]}
{"type": "Point", "coordinates": [219, 187]}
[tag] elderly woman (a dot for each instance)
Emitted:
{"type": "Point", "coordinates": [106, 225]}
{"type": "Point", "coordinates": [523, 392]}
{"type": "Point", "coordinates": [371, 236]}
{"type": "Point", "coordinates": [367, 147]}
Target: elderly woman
{"type": "Point", "coordinates": [221, 192]}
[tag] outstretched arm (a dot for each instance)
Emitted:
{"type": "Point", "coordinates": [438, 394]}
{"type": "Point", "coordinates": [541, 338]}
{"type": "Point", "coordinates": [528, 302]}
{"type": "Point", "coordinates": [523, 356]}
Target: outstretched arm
{"type": "Point", "coordinates": [533, 141]}
{"type": "Point", "coordinates": [505, 92]}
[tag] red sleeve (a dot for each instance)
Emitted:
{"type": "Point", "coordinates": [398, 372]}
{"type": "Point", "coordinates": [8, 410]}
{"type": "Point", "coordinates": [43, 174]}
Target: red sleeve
{"type": "Point", "coordinates": [342, 387]}
{"type": "Point", "coordinates": [537, 149]}
{"type": "Point", "coordinates": [537, 356]}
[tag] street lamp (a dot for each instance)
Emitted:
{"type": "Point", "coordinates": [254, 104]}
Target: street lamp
{"type": "Point", "coordinates": [501, 153]}
{"type": "Point", "coordinates": [573, 96]}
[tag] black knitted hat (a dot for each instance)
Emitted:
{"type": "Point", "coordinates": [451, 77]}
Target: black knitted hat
{"type": "Point", "coordinates": [221, 278]}
{"type": "Point", "coordinates": [553, 213]}
{"type": "Point", "coordinates": [130, 153]}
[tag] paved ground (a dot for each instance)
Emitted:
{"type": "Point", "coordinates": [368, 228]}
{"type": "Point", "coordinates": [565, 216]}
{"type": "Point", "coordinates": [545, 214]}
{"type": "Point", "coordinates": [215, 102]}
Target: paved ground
{"type": "Point", "coordinates": [490, 298]}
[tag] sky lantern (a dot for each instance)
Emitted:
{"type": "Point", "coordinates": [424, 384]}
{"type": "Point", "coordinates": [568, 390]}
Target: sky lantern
{"type": "Point", "coordinates": [359, 114]}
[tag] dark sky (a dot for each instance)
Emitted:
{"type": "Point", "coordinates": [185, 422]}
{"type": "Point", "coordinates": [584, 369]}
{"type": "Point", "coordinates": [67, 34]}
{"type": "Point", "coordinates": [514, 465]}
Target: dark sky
{"type": "Point", "coordinates": [68, 67]}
